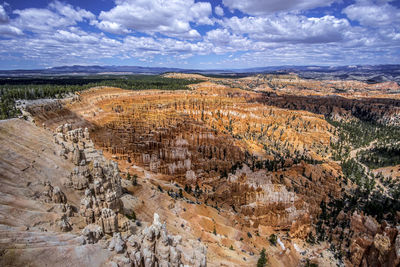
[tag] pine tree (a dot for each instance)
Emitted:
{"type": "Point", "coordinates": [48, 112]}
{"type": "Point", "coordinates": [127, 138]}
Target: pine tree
{"type": "Point", "coordinates": [135, 179]}
{"type": "Point", "coordinates": [262, 261]}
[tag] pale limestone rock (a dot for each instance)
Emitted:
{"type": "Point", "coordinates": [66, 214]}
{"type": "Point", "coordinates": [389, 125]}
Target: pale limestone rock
{"type": "Point", "coordinates": [148, 247]}
{"type": "Point", "coordinates": [92, 233]}
{"type": "Point", "coordinates": [63, 151]}
{"type": "Point", "coordinates": [134, 244]}
{"type": "Point", "coordinates": [122, 261]}
{"type": "Point", "coordinates": [79, 179]}
{"type": "Point", "coordinates": [190, 176]}
{"type": "Point", "coordinates": [109, 221]}
{"type": "Point", "coordinates": [86, 133]}
{"type": "Point", "coordinates": [102, 201]}
{"type": "Point", "coordinates": [117, 244]}
{"type": "Point", "coordinates": [112, 201]}
{"type": "Point", "coordinates": [371, 224]}
{"type": "Point", "coordinates": [76, 155]}
{"type": "Point", "coordinates": [163, 249]}
{"type": "Point", "coordinates": [59, 129]}
{"type": "Point", "coordinates": [397, 245]}
{"type": "Point", "coordinates": [64, 224]}
{"type": "Point", "coordinates": [58, 196]}
{"type": "Point", "coordinates": [174, 255]}
{"type": "Point", "coordinates": [126, 225]}
{"type": "Point", "coordinates": [53, 194]}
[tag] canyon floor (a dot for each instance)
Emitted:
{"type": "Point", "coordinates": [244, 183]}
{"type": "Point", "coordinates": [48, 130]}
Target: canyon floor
{"type": "Point", "coordinates": [230, 167]}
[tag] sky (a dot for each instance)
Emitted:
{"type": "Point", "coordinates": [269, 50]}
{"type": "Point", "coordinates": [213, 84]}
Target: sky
{"type": "Point", "coordinates": [198, 34]}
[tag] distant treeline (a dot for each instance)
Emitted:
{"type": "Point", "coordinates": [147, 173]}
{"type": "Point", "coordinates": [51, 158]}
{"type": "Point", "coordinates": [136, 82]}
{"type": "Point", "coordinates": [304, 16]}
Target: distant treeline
{"type": "Point", "coordinates": [12, 89]}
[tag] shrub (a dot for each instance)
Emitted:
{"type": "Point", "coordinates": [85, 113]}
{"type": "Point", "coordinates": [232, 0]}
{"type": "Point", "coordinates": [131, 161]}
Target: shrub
{"type": "Point", "coordinates": [132, 216]}
{"type": "Point", "coordinates": [160, 188]}
{"type": "Point", "coordinates": [135, 179]}
{"type": "Point", "coordinates": [273, 239]}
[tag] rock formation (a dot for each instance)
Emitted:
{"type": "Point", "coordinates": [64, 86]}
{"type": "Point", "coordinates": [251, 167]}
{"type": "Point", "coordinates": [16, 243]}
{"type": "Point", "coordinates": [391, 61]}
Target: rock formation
{"type": "Point", "coordinates": [153, 246]}
{"type": "Point", "coordinates": [53, 194]}
{"type": "Point", "coordinates": [101, 206]}
{"type": "Point", "coordinates": [257, 158]}
{"type": "Point", "coordinates": [367, 242]}
{"type": "Point", "coordinates": [99, 178]}
{"type": "Point", "coordinates": [92, 233]}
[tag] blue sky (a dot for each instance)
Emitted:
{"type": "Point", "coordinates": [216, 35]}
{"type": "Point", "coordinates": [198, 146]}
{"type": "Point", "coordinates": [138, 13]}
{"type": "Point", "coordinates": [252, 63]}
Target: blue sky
{"type": "Point", "coordinates": [198, 34]}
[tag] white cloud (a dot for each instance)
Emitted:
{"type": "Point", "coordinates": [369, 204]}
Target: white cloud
{"type": "Point", "coordinates": [375, 14]}
{"type": "Point", "coordinates": [3, 15]}
{"type": "Point", "coordinates": [111, 27]}
{"type": "Point", "coordinates": [73, 45]}
{"type": "Point", "coordinates": [58, 15]}
{"type": "Point", "coordinates": [290, 28]}
{"type": "Point", "coordinates": [219, 11]}
{"type": "Point", "coordinates": [9, 31]}
{"type": "Point", "coordinates": [76, 37]}
{"type": "Point", "coordinates": [262, 7]}
{"type": "Point", "coordinates": [68, 11]}
{"type": "Point", "coordinates": [199, 12]}
{"type": "Point", "coordinates": [52, 35]}
{"type": "Point", "coordinates": [171, 18]}
{"type": "Point", "coordinates": [223, 41]}
{"type": "Point", "coordinates": [144, 46]}
{"type": "Point", "coordinates": [307, 54]}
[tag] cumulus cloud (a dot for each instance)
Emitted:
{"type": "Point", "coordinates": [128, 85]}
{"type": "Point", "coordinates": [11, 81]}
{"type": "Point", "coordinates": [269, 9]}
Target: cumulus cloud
{"type": "Point", "coordinates": [219, 11]}
{"type": "Point", "coordinates": [223, 41]}
{"type": "Point", "coordinates": [290, 28]}
{"type": "Point", "coordinates": [257, 7]}
{"type": "Point", "coordinates": [271, 34]}
{"type": "Point", "coordinates": [371, 13]}
{"type": "Point", "coordinates": [112, 27]}
{"type": "Point", "coordinates": [68, 11]}
{"type": "Point", "coordinates": [57, 15]}
{"type": "Point", "coordinates": [171, 18]}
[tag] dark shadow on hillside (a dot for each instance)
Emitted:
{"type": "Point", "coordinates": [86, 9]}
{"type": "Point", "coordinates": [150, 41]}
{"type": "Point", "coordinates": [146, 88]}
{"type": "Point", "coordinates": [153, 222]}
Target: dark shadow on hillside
{"type": "Point", "coordinates": [380, 110]}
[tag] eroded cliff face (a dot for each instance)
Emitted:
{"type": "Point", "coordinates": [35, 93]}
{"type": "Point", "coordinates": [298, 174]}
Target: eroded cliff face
{"type": "Point", "coordinates": [260, 165]}
{"type": "Point", "coordinates": [101, 207]}
{"type": "Point", "coordinates": [365, 241]}
{"type": "Point", "coordinates": [68, 206]}
{"type": "Point", "coordinates": [281, 200]}
{"type": "Point", "coordinates": [198, 138]}
{"type": "Point", "coordinates": [381, 110]}
{"type": "Point", "coordinates": [222, 165]}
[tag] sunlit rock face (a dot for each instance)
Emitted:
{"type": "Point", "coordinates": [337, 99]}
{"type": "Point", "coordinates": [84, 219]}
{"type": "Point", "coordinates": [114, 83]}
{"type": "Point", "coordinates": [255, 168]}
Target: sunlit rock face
{"type": "Point", "coordinates": [93, 174]}
{"type": "Point", "coordinates": [219, 139]}
{"type": "Point", "coordinates": [225, 166]}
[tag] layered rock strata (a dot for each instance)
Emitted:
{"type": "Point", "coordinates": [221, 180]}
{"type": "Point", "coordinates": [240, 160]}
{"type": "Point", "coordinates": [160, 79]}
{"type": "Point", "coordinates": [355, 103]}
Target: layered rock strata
{"type": "Point", "coordinates": [98, 178]}
{"type": "Point", "coordinates": [101, 208]}
{"type": "Point", "coordinates": [366, 241]}
{"type": "Point", "coordinates": [153, 246]}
